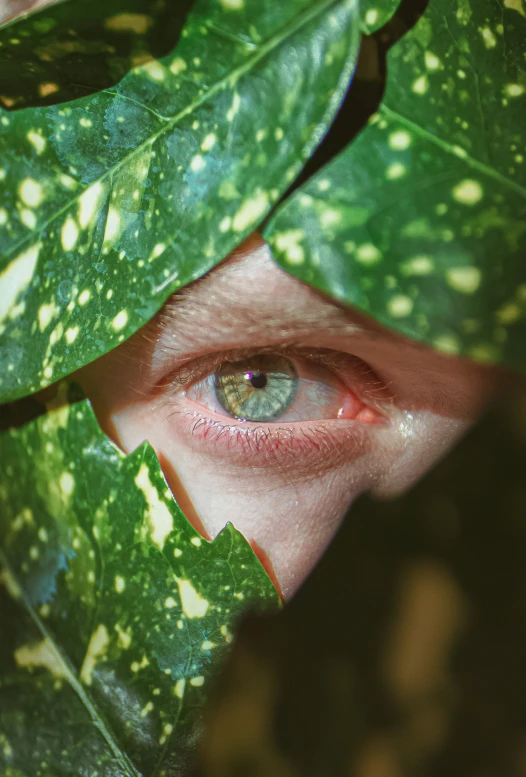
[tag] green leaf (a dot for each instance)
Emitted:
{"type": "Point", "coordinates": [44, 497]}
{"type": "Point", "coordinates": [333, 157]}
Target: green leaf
{"type": "Point", "coordinates": [71, 50]}
{"type": "Point", "coordinates": [421, 222]}
{"type": "Point", "coordinates": [376, 13]}
{"type": "Point", "coordinates": [115, 614]}
{"type": "Point", "coordinates": [114, 201]}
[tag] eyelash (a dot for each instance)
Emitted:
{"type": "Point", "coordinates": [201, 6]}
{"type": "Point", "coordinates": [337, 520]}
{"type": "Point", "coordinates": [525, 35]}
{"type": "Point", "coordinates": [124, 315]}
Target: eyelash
{"type": "Point", "coordinates": [277, 443]}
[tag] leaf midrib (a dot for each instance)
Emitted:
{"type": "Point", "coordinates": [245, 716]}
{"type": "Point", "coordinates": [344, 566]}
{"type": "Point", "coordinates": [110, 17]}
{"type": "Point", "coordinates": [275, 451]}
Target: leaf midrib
{"type": "Point", "coordinates": [70, 675]}
{"type": "Point", "coordinates": [450, 148]}
{"type": "Point", "coordinates": [266, 48]}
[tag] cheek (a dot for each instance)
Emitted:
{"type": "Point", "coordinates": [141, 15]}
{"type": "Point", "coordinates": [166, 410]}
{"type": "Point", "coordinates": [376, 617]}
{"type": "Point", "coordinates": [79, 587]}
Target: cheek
{"type": "Point", "coordinates": [288, 514]}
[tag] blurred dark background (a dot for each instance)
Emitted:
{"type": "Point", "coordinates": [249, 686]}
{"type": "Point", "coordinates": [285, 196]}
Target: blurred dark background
{"type": "Point", "coordinates": [405, 653]}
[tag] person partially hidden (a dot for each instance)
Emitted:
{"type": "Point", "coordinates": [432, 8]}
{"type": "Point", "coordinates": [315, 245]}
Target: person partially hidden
{"type": "Point", "coordinates": [273, 407]}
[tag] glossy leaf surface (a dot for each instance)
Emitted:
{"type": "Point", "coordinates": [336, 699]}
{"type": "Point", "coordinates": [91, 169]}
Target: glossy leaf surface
{"type": "Point", "coordinates": [113, 201]}
{"type": "Point", "coordinates": [115, 614]}
{"type": "Point", "coordinates": [421, 222]}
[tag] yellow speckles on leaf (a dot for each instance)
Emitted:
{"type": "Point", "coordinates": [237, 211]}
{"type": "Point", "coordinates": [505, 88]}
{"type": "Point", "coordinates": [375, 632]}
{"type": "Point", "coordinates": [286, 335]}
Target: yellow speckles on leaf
{"type": "Point", "coordinates": [158, 516]}
{"type": "Point", "coordinates": [10, 583]}
{"type": "Point", "coordinates": [148, 707]}
{"type": "Point", "coordinates": [234, 108]}
{"type": "Point", "coordinates": [85, 122]}
{"type": "Point", "coordinates": [418, 265]}
{"type": "Point", "coordinates": [468, 192]}
{"type": "Point", "coordinates": [207, 645]}
{"type": "Point", "coordinates": [367, 253]}
{"type": "Point", "coordinates": [43, 654]}
{"type": "Point", "coordinates": [46, 314]}
{"type": "Point", "coordinates": [119, 583]}
{"type": "Point", "coordinates": [88, 204]}
{"type": "Point", "coordinates": [67, 484]}
{"type": "Point", "coordinates": [400, 306]}
{"type": "Point", "coordinates": [170, 603]}
{"type": "Point", "coordinates": [3, 217]}
{"type": "Point", "coordinates": [447, 344]}
{"type": "Point", "coordinates": [194, 605]}
{"type": "Point", "coordinates": [178, 66]}
{"type": "Point", "coordinates": [514, 90]}
{"type": "Point", "coordinates": [69, 235]}
{"type": "Point", "coordinates": [509, 314]}
{"type": "Point", "coordinates": [84, 297]}
{"type": "Point", "coordinates": [324, 185]}
{"type": "Point", "coordinates": [209, 142]}
{"type": "Point", "coordinates": [71, 334]}
{"type": "Point", "coordinates": [67, 181]}
{"type": "Point", "coordinates": [420, 85]}
{"type": "Point", "coordinates": [400, 140]}
{"type": "Point", "coordinates": [489, 39]}
{"type": "Point", "coordinates": [30, 192]}
{"type": "Point", "coordinates": [38, 142]}
{"type": "Point", "coordinates": [198, 163]}
{"type": "Point", "coordinates": [167, 730]}
{"type": "Point", "coordinates": [136, 666]}
{"type": "Point", "coordinates": [120, 321]}
{"type": "Point", "coordinates": [47, 89]}
{"type": "Point", "coordinates": [97, 647]}
{"type": "Point", "coordinates": [395, 171]}
{"type": "Point", "coordinates": [483, 353]}
{"type": "Point", "coordinates": [196, 541]}
{"type": "Point", "coordinates": [516, 5]}
{"type": "Point", "coordinates": [179, 688]}
{"type": "Point", "coordinates": [371, 17]}
{"type": "Point", "coordinates": [197, 682]}
{"type": "Point", "coordinates": [15, 279]}
{"type": "Point", "coordinates": [113, 224]}
{"type": "Point", "coordinates": [251, 212]}
{"type": "Point", "coordinates": [289, 243]}
{"type": "Point", "coordinates": [154, 70]}
{"type": "Point", "coordinates": [129, 22]}
{"type": "Point", "coordinates": [464, 279]}
{"type": "Point", "coordinates": [329, 217]}
{"type": "Point", "coordinates": [232, 5]}
{"type": "Point", "coordinates": [28, 218]}
{"type": "Point", "coordinates": [225, 224]}
{"type": "Point", "coordinates": [432, 61]}
{"type": "Point", "coordinates": [123, 637]}
{"type": "Point", "coordinates": [279, 134]}
{"type": "Point", "coordinates": [159, 249]}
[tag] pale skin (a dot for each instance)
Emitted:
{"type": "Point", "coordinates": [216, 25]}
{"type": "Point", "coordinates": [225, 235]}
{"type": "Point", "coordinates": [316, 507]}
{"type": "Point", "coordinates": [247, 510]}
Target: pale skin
{"type": "Point", "coordinates": [395, 407]}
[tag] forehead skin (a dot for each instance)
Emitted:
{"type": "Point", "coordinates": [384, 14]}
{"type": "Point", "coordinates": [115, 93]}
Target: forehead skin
{"type": "Point", "coordinates": [250, 301]}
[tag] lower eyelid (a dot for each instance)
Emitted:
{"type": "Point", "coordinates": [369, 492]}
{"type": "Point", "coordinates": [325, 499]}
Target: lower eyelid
{"type": "Point", "coordinates": [312, 447]}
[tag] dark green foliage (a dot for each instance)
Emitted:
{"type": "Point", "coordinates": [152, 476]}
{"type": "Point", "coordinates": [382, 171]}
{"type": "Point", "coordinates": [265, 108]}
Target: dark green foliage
{"type": "Point", "coordinates": [115, 200]}
{"type": "Point", "coordinates": [116, 615]}
{"type": "Point", "coordinates": [421, 222]}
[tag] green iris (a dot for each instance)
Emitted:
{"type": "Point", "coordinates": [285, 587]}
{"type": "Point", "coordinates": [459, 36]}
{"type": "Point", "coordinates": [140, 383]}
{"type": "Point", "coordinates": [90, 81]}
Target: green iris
{"type": "Point", "coordinates": [257, 389]}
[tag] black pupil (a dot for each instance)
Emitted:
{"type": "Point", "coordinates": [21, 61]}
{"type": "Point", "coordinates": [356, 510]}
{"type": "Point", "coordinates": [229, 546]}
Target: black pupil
{"type": "Point", "coordinates": [257, 379]}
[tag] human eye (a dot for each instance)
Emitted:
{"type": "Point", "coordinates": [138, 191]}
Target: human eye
{"type": "Point", "coordinates": [296, 408]}
{"type": "Point", "coordinates": [274, 387]}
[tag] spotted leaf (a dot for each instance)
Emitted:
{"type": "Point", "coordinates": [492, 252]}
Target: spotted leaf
{"type": "Point", "coordinates": [376, 13]}
{"type": "Point", "coordinates": [113, 201]}
{"type": "Point", "coordinates": [421, 221]}
{"type": "Point", "coordinates": [115, 614]}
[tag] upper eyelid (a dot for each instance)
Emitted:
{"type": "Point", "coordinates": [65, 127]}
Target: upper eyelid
{"type": "Point", "coordinates": [356, 374]}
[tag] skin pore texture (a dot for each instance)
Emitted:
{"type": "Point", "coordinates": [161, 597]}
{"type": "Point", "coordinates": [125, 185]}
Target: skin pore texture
{"type": "Point", "coordinates": [372, 411]}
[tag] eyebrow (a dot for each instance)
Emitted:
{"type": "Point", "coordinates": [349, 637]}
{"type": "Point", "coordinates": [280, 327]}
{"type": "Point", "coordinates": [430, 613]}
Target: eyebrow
{"type": "Point", "coordinates": [248, 299]}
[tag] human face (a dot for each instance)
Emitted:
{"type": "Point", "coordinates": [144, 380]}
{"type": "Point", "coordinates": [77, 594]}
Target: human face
{"type": "Point", "coordinates": [353, 407]}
